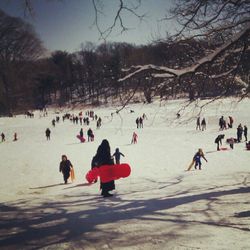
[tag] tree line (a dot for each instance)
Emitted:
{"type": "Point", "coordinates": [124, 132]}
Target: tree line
{"type": "Point", "coordinates": [97, 74]}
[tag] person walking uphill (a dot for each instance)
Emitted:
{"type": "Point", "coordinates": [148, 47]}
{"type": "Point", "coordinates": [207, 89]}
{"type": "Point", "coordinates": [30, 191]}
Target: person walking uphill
{"type": "Point", "coordinates": [117, 156]}
{"type": "Point", "coordinates": [103, 157]}
{"type": "Point", "coordinates": [65, 167]}
{"type": "Point", "coordinates": [47, 133]}
{"type": "Point", "coordinates": [3, 137]}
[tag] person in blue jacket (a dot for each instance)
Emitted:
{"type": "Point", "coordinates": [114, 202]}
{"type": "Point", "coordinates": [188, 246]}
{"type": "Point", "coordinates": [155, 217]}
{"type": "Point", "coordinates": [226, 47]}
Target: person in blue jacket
{"type": "Point", "coordinates": [117, 154]}
{"type": "Point", "coordinates": [197, 158]}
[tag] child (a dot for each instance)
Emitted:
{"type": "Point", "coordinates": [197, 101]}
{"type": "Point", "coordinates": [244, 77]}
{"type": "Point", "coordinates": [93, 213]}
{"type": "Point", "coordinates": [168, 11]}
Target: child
{"type": "Point", "coordinates": [117, 156]}
{"type": "Point", "coordinates": [65, 167]}
{"type": "Point", "coordinates": [134, 138]}
{"type": "Point", "coordinates": [197, 158]}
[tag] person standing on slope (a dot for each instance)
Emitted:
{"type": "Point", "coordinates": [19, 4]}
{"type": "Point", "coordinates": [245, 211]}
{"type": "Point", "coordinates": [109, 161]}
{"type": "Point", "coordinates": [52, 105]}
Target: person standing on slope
{"type": "Point", "coordinates": [103, 157]}
{"type": "Point", "coordinates": [198, 123]}
{"type": "Point", "coordinates": [203, 124]}
{"type": "Point", "coordinates": [245, 132]}
{"type": "Point", "coordinates": [117, 156]}
{"type": "Point", "coordinates": [81, 133]}
{"type": "Point", "coordinates": [3, 137]}
{"type": "Point", "coordinates": [47, 133]}
{"type": "Point", "coordinates": [134, 138]}
{"type": "Point", "coordinates": [239, 133]}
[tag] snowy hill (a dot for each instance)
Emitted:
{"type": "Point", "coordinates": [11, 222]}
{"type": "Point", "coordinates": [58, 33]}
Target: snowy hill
{"type": "Point", "coordinates": [160, 206]}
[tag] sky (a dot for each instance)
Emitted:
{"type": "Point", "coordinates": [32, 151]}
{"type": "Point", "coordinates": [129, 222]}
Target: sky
{"type": "Point", "coordinates": [65, 24]}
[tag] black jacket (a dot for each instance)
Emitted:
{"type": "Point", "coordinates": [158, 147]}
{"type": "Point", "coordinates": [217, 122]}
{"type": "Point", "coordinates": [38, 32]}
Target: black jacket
{"type": "Point", "coordinates": [65, 166]}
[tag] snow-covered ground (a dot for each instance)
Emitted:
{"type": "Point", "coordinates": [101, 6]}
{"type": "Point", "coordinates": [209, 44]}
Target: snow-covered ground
{"type": "Point", "coordinates": [160, 206]}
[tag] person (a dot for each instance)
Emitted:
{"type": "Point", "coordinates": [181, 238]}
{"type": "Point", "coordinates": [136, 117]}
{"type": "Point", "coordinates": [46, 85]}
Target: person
{"type": "Point", "coordinates": [99, 122]}
{"type": "Point", "coordinates": [103, 157]}
{"type": "Point", "coordinates": [198, 124]}
{"type": "Point", "coordinates": [65, 167]}
{"type": "Point", "coordinates": [137, 122]}
{"type": "Point", "coordinates": [15, 137]}
{"type": "Point", "coordinates": [222, 123]}
{"type": "Point", "coordinates": [117, 154]}
{"type": "Point", "coordinates": [230, 141]}
{"type": "Point", "coordinates": [197, 158]}
{"type": "Point", "coordinates": [134, 138]}
{"type": "Point", "coordinates": [47, 133]}
{"type": "Point", "coordinates": [230, 124]}
{"type": "Point", "coordinates": [239, 133]}
{"type": "Point", "coordinates": [81, 133]}
{"type": "Point", "coordinates": [218, 141]}
{"type": "Point", "coordinates": [53, 122]}
{"type": "Point", "coordinates": [203, 124]}
{"type": "Point", "coordinates": [3, 137]}
{"type": "Point", "coordinates": [90, 135]}
{"type": "Point", "coordinates": [245, 132]}
{"type": "Point", "coordinates": [140, 122]}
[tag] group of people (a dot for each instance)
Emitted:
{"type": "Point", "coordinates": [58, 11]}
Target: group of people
{"type": "Point", "coordinates": [241, 131]}
{"type": "Point", "coordinates": [139, 122]}
{"type": "Point", "coordinates": [3, 137]}
{"type": "Point", "coordinates": [231, 141]}
{"type": "Point", "coordinates": [224, 125]}
{"type": "Point", "coordinates": [201, 124]}
{"type": "Point", "coordinates": [102, 157]}
{"type": "Point", "coordinates": [90, 135]}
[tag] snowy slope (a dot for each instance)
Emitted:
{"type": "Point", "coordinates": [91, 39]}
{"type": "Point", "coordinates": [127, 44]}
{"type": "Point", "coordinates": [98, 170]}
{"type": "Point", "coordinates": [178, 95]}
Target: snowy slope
{"type": "Point", "coordinates": [160, 206]}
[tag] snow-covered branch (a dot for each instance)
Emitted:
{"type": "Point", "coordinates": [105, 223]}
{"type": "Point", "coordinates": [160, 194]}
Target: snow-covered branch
{"type": "Point", "coordinates": [166, 72]}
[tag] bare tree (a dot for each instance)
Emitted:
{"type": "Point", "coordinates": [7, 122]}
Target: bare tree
{"type": "Point", "coordinates": [18, 46]}
{"type": "Point", "coordinates": [225, 25]}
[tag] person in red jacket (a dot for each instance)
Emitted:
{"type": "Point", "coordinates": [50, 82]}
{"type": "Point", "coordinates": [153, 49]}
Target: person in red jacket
{"type": "Point", "coordinates": [103, 157]}
{"type": "Point", "coordinates": [134, 138]}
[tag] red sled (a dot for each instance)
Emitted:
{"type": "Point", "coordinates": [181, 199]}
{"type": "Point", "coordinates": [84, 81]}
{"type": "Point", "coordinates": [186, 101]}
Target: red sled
{"type": "Point", "coordinates": [82, 139]}
{"type": "Point", "coordinates": [108, 173]}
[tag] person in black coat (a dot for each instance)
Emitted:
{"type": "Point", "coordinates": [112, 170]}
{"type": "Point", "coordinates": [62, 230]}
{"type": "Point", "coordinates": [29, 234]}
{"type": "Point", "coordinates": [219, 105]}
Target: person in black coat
{"type": "Point", "coordinates": [239, 133]}
{"type": "Point", "coordinates": [90, 135]}
{"type": "Point", "coordinates": [81, 132]}
{"type": "Point", "coordinates": [103, 157]}
{"type": "Point", "coordinates": [137, 121]}
{"type": "Point", "coordinates": [245, 132]}
{"type": "Point", "coordinates": [65, 167]}
{"type": "Point", "coordinates": [117, 154]}
{"type": "Point", "coordinates": [3, 137]}
{"type": "Point", "coordinates": [218, 141]}
{"type": "Point", "coordinates": [47, 133]}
